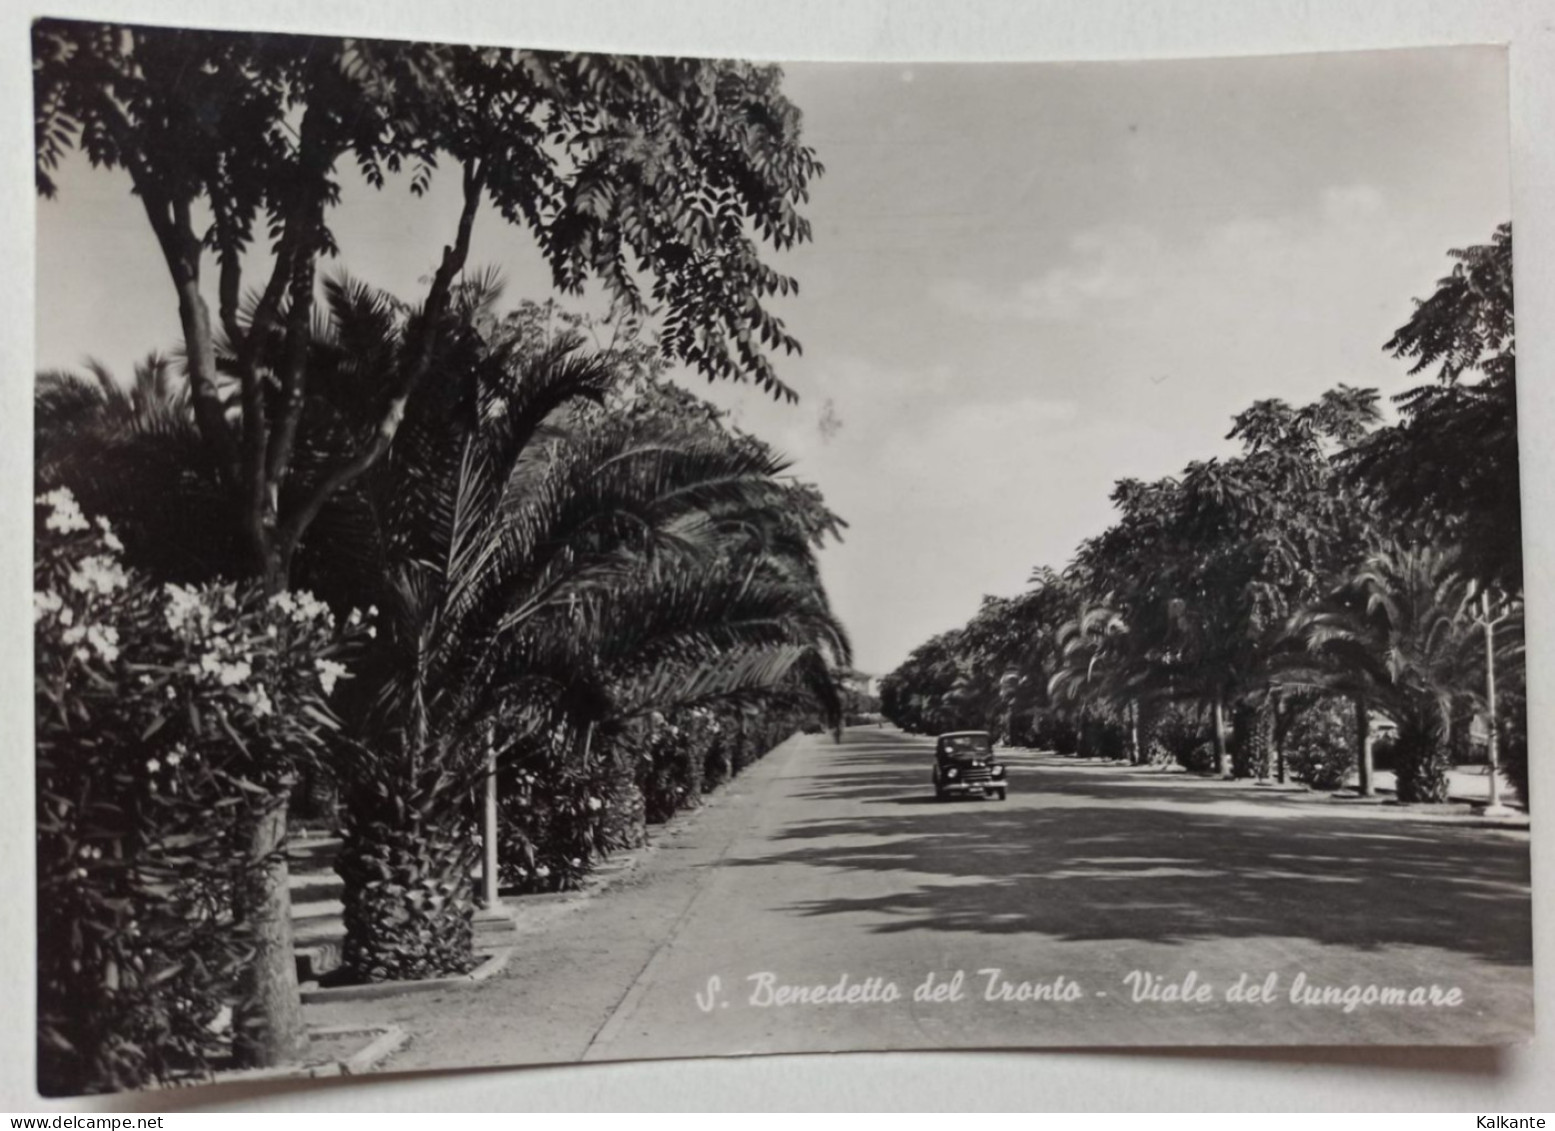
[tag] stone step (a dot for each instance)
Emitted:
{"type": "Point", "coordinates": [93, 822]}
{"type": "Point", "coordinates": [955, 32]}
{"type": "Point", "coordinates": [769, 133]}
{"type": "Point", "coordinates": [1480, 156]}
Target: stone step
{"type": "Point", "coordinates": [316, 960]}
{"type": "Point", "coordinates": [321, 922]}
{"type": "Point", "coordinates": [317, 938]}
{"type": "Point", "coordinates": [311, 887]}
{"type": "Point", "coordinates": [316, 910]}
{"type": "Point", "coordinates": [308, 850]}
{"type": "Point", "coordinates": [492, 923]}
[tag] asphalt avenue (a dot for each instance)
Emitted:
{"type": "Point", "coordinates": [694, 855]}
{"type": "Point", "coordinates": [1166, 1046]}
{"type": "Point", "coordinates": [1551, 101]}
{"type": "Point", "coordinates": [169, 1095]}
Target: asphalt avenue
{"type": "Point", "coordinates": [827, 901]}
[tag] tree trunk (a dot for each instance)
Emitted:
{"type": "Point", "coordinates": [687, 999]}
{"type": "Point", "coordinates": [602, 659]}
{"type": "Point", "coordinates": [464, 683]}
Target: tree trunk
{"type": "Point", "coordinates": [1424, 757]}
{"type": "Point", "coordinates": [1262, 739]}
{"type": "Point", "coordinates": [1363, 747]}
{"type": "Point", "coordinates": [1276, 739]}
{"type": "Point", "coordinates": [1220, 736]}
{"type": "Point", "coordinates": [268, 1021]}
{"type": "Point", "coordinates": [1135, 754]}
{"type": "Point", "coordinates": [409, 900]}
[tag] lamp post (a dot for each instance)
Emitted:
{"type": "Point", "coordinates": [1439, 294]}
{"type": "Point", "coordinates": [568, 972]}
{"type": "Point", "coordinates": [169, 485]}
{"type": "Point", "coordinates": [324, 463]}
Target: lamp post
{"type": "Point", "coordinates": [1492, 738]}
{"type": "Point", "coordinates": [489, 827]}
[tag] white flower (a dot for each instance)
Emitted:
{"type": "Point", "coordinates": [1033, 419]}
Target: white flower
{"type": "Point", "coordinates": [104, 638]}
{"type": "Point", "coordinates": [152, 765]}
{"type": "Point", "coordinates": [228, 674]}
{"type": "Point", "coordinates": [65, 516]}
{"type": "Point", "coordinates": [372, 632]}
{"type": "Point", "coordinates": [542, 871]}
{"type": "Point", "coordinates": [329, 673]}
{"type": "Point", "coordinates": [110, 539]}
{"type": "Point", "coordinates": [303, 607]}
{"type": "Point", "coordinates": [74, 634]}
{"type": "Point", "coordinates": [175, 756]}
{"type": "Point", "coordinates": [46, 602]}
{"type": "Point", "coordinates": [258, 701]}
{"type": "Point", "coordinates": [184, 607]}
{"type": "Point", "coordinates": [595, 805]}
{"type": "Point", "coordinates": [98, 573]}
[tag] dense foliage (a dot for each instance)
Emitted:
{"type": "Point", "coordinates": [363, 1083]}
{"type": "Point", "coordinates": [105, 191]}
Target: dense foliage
{"type": "Point", "coordinates": [569, 565]}
{"type": "Point", "coordinates": [664, 180]}
{"type": "Point", "coordinates": [170, 720]}
{"type": "Point", "coordinates": [1247, 616]}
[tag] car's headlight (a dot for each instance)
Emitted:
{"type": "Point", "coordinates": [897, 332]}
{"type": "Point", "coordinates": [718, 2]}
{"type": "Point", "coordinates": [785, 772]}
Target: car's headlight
{"type": "Point", "coordinates": [998, 770]}
{"type": "Point", "coordinates": [950, 773]}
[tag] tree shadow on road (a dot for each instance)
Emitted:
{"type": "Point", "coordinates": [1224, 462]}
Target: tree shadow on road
{"type": "Point", "coordinates": [1104, 863]}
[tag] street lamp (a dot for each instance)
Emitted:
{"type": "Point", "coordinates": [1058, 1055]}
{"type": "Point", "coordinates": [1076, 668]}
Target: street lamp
{"type": "Point", "coordinates": [1492, 740]}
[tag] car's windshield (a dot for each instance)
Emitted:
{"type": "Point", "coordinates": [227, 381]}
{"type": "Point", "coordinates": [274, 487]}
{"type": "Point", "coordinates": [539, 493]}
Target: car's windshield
{"type": "Point", "coordinates": [964, 743]}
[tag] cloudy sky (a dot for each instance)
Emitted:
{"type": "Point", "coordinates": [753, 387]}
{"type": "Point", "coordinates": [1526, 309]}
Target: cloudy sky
{"type": "Point", "coordinates": [1027, 281]}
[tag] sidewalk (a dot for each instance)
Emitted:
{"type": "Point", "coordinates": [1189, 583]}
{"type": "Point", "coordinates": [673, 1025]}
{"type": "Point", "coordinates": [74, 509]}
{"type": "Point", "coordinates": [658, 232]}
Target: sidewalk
{"type": "Point", "coordinates": [1469, 790]}
{"type": "Point", "coordinates": [578, 953]}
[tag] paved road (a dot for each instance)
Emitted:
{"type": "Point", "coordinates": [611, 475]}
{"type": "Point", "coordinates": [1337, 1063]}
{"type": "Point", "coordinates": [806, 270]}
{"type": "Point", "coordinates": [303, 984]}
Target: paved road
{"type": "Point", "coordinates": [826, 867]}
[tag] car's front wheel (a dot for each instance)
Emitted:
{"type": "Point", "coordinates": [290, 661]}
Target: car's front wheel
{"type": "Point", "coordinates": [1003, 793]}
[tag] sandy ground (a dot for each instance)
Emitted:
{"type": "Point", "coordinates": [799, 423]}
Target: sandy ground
{"type": "Point", "coordinates": [1113, 895]}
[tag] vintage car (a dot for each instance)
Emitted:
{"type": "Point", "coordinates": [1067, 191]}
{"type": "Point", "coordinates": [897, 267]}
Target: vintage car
{"type": "Point", "coordinates": [964, 764]}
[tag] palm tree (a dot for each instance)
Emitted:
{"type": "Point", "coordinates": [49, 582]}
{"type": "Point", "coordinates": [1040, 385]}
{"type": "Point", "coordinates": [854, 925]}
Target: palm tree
{"type": "Point", "coordinates": [1401, 634]}
{"type": "Point", "coordinates": [1092, 673]}
{"type": "Point", "coordinates": [130, 451]}
{"type": "Point", "coordinates": [537, 565]}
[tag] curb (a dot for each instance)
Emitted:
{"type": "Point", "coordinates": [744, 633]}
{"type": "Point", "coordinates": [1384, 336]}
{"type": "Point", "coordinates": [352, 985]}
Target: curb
{"type": "Point", "coordinates": [389, 1040]}
{"type": "Point", "coordinates": [496, 961]}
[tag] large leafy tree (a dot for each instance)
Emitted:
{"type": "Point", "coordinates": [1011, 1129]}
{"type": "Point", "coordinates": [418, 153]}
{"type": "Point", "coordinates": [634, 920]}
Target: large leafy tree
{"type": "Point", "coordinates": [662, 179]}
{"type": "Point", "coordinates": [1205, 569]}
{"type": "Point", "coordinates": [664, 173]}
{"type": "Point", "coordinates": [1449, 468]}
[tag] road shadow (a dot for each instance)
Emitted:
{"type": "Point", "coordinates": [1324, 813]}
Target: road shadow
{"type": "Point", "coordinates": [1099, 863]}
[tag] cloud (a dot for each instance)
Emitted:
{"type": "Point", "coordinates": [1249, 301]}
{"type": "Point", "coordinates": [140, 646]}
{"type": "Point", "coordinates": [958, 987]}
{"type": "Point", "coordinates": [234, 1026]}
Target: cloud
{"type": "Point", "coordinates": [1103, 267]}
{"type": "Point", "coordinates": [1128, 269]}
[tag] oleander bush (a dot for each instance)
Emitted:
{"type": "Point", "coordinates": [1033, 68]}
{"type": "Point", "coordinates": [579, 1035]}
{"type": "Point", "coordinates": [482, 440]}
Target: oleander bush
{"type": "Point", "coordinates": [1200, 759]}
{"type": "Point", "coordinates": [169, 720]}
{"type": "Point", "coordinates": [672, 757]}
{"type": "Point", "coordinates": [1104, 736]}
{"type": "Point", "coordinates": [559, 814]}
{"type": "Point", "coordinates": [1320, 744]}
{"type": "Point", "coordinates": [1178, 735]}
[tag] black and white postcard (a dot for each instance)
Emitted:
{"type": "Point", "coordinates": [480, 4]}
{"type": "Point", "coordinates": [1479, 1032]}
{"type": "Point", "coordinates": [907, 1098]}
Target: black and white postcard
{"type": "Point", "coordinates": [545, 557]}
